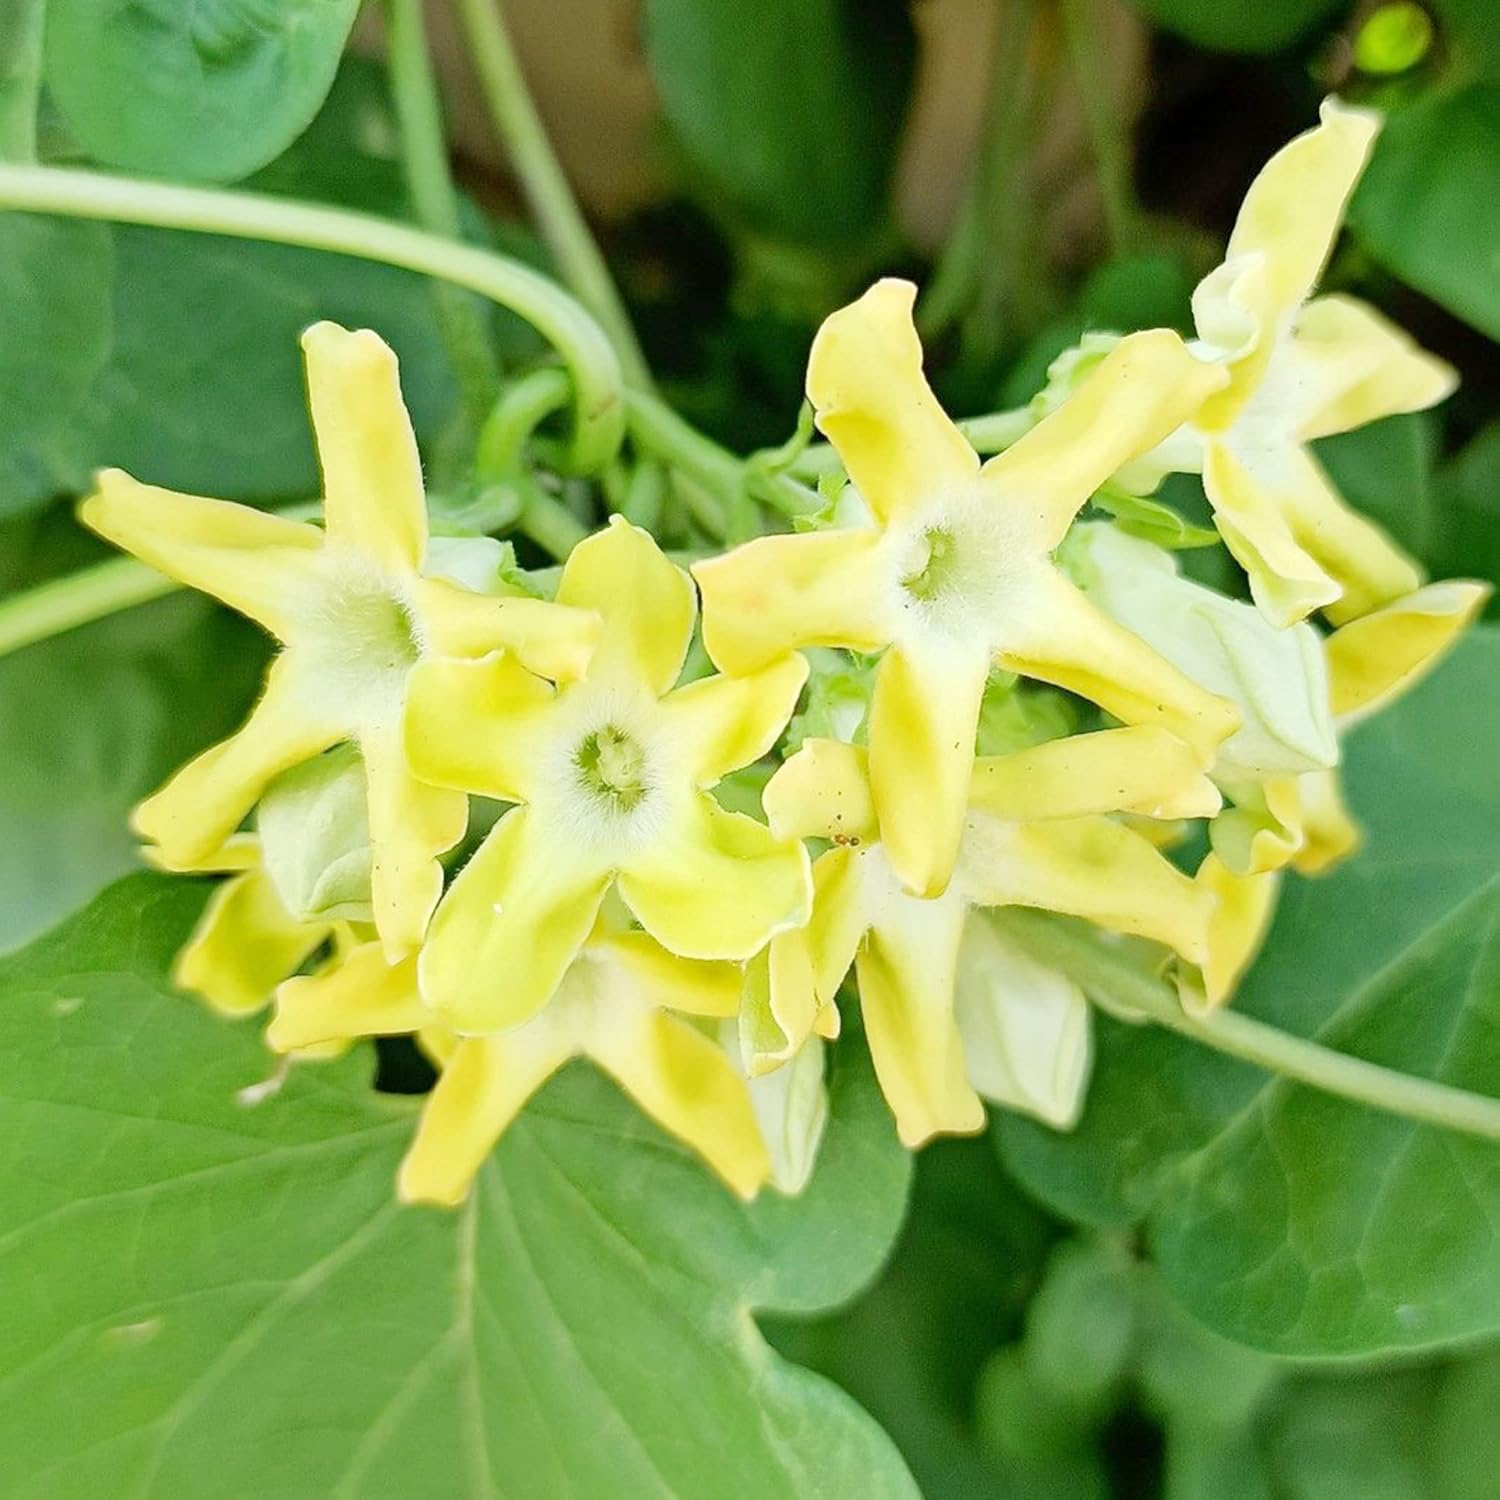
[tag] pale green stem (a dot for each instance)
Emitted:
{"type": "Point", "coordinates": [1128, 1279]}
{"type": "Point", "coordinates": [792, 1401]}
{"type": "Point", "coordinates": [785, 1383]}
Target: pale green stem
{"type": "Point", "coordinates": [424, 155]}
{"type": "Point", "coordinates": [1107, 138]}
{"type": "Point", "coordinates": [20, 77]}
{"type": "Point", "coordinates": [557, 214]}
{"type": "Point", "coordinates": [546, 520]}
{"type": "Point", "coordinates": [598, 385]}
{"type": "Point", "coordinates": [1099, 968]}
{"type": "Point", "coordinates": [80, 598]}
{"type": "Point", "coordinates": [524, 404]}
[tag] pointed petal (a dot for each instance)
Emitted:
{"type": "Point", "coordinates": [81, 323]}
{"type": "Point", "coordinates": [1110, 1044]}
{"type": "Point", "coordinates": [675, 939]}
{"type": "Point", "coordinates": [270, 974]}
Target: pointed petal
{"type": "Point", "coordinates": [550, 639]}
{"type": "Point", "coordinates": [864, 377]}
{"type": "Point", "coordinates": [361, 996]}
{"type": "Point", "coordinates": [646, 602]}
{"type": "Point", "coordinates": [719, 724]}
{"type": "Point", "coordinates": [1293, 209]}
{"type": "Point", "coordinates": [1027, 1030]}
{"type": "Point", "coordinates": [1067, 641]}
{"type": "Point", "coordinates": [1087, 867]}
{"type": "Point", "coordinates": [717, 884]}
{"type": "Point", "coordinates": [1329, 834]}
{"type": "Point", "coordinates": [372, 474]}
{"type": "Point", "coordinates": [688, 1086]}
{"type": "Point", "coordinates": [477, 725]}
{"type": "Point", "coordinates": [482, 1088]}
{"type": "Point", "coordinates": [256, 563]}
{"type": "Point", "coordinates": [923, 720]}
{"type": "Point", "coordinates": [661, 979]}
{"type": "Point", "coordinates": [203, 804]}
{"type": "Point", "coordinates": [907, 971]}
{"type": "Point", "coordinates": [839, 920]}
{"type": "Point", "coordinates": [1355, 366]}
{"type": "Point", "coordinates": [1375, 659]}
{"type": "Point", "coordinates": [823, 792]}
{"type": "Point", "coordinates": [411, 824]}
{"type": "Point", "coordinates": [244, 945]}
{"type": "Point", "coordinates": [1242, 916]}
{"type": "Point", "coordinates": [510, 924]}
{"type": "Point", "coordinates": [1142, 769]}
{"type": "Point", "coordinates": [779, 1003]}
{"type": "Point", "coordinates": [782, 593]}
{"type": "Point", "coordinates": [1143, 390]}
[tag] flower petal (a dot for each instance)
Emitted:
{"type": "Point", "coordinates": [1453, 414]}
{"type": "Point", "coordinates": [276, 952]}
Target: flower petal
{"type": "Point", "coordinates": [1264, 830]}
{"type": "Point", "coordinates": [823, 792]}
{"type": "Point", "coordinates": [1087, 867]}
{"type": "Point", "coordinates": [717, 884]}
{"type": "Point", "coordinates": [364, 995]}
{"type": "Point", "coordinates": [551, 639]}
{"type": "Point", "coordinates": [864, 378]}
{"type": "Point", "coordinates": [1027, 1030]}
{"type": "Point", "coordinates": [791, 1110]}
{"type": "Point", "coordinates": [907, 971]}
{"type": "Point", "coordinates": [647, 604]}
{"type": "Point", "coordinates": [482, 1088]}
{"type": "Point", "coordinates": [661, 979]}
{"type": "Point", "coordinates": [1355, 366]}
{"type": "Point", "coordinates": [1373, 660]}
{"type": "Point", "coordinates": [1141, 769]}
{"type": "Point", "coordinates": [1064, 639]}
{"type": "Point", "coordinates": [256, 563]}
{"type": "Point", "coordinates": [923, 720]}
{"type": "Point", "coordinates": [782, 593]}
{"type": "Point", "coordinates": [202, 805]}
{"type": "Point", "coordinates": [477, 725]}
{"type": "Point", "coordinates": [509, 926]}
{"type": "Point", "coordinates": [1329, 834]}
{"type": "Point", "coordinates": [719, 724]}
{"type": "Point", "coordinates": [372, 474]}
{"type": "Point", "coordinates": [1142, 391]}
{"type": "Point", "coordinates": [411, 823]}
{"type": "Point", "coordinates": [1242, 916]}
{"type": "Point", "coordinates": [244, 945]}
{"type": "Point", "coordinates": [1293, 210]}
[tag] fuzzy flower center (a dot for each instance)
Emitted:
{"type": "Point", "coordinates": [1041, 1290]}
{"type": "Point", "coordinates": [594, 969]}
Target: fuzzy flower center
{"type": "Point", "coordinates": [612, 767]}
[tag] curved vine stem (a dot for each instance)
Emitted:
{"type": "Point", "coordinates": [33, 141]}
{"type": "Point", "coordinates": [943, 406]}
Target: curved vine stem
{"type": "Point", "coordinates": [598, 382]}
{"type": "Point", "coordinates": [1101, 969]}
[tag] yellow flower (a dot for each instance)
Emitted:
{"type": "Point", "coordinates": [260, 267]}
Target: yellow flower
{"type": "Point", "coordinates": [354, 612]}
{"type": "Point", "coordinates": [1300, 370]}
{"type": "Point", "coordinates": [1034, 834]}
{"type": "Point", "coordinates": [953, 574]}
{"type": "Point", "coordinates": [624, 1002]}
{"type": "Point", "coordinates": [614, 772]}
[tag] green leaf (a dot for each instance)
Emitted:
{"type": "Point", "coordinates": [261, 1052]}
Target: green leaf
{"type": "Point", "coordinates": [202, 89]}
{"type": "Point", "coordinates": [1466, 1437]}
{"type": "Point", "coordinates": [1283, 1217]}
{"type": "Point", "coordinates": [214, 1294]}
{"type": "Point", "coordinates": [1468, 491]}
{"type": "Point", "coordinates": [787, 111]}
{"type": "Point", "coordinates": [92, 721]}
{"type": "Point", "coordinates": [1235, 26]}
{"type": "Point", "coordinates": [1427, 208]}
{"type": "Point", "coordinates": [1385, 471]}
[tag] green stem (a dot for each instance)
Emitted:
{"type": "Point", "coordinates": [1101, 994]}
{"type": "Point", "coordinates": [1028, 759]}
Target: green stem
{"type": "Point", "coordinates": [1107, 140]}
{"type": "Point", "coordinates": [524, 404]}
{"type": "Point", "coordinates": [20, 77]}
{"type": "Point", "coordinates": [557, 214]}
{"type": "Point", "coordinates": [546, 520]}
{"type": "Point", "coordinates": [80, 598]}
{"type": "Point", "coordinates": [1099, 968]}
{"type": "Point", "coordinates": [598, 384]}
{"type": "Point", "coordinates": [424, 155]}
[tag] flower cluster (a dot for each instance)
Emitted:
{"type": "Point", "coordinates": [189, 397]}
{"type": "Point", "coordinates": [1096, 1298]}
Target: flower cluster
{"type": "Point", "coordinates": [1029, 709]}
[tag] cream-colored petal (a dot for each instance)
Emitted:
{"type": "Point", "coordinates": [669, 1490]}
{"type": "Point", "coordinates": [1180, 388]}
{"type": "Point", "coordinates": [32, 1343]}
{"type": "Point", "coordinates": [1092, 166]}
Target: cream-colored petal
{"type": "Point", "coordinates": [483, 1086]}
{"type": "Point", "coordinates": [244, 945]}
{"type": "Point", "coordinates": [781, 593]}
{"type": "Point", "coordinates": [791, 1109]}
{"type": "Point", "coordinates": [923, 719]}
{"type": "Point", "coordinates": [479, 725]}
{"type": "Point", "coordinates": [1087, 867]}
{"type": "Point", "coordinates": [411, 824]}
{"type": "Point", "coordinates": [1142, 391]}
{"type": "Point", "coordinates": [1329, 834]}
{"type": "Point", "coordinates": [1141, 769]}
{"type": "Point", "coordinates": [716, 884]}
{"type": "Point", "coordinates": [865, 381]}
{"type": "Point", "coordinates": [658, 978]}
{"type": "Point", "coordinates": [1293, 210]}
{"type": "Point", "coordinates": [509, 926]}
{"type": "Point", "coordinates": [363, 995]}
{"type": "Point", "coordinates": [259, 564]}
{"type": "Point", "coordinates": [1244, 906]}
{"type": "Point", "coordinates": [1064, 639]}
{"type": "Point", "coordinates": [1372, 661]}
{"type": "Point", "coordinates": [646, 602]}
{"type": "Point", "coordinates": [201, 806]}
{"type": "Point", "coordinates": [718, 724]}
{"type": "Point", "coordinates": [907, 971]}
{"type": "Point", "coordinates": [1353, 366]}
{"type": "Point", "coordinates": [372, 473]}
{"type": "Point", "coordinates": [823, 791]}
{"type": "Point", "coordinates": [687, 1085]}
{"type": "Point", "coordinates": [551, 639]}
